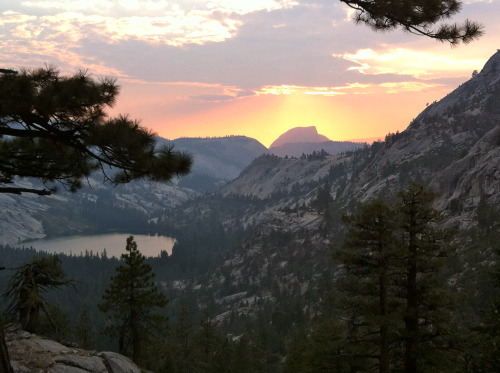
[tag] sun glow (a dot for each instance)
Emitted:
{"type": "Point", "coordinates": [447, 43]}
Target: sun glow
{"type": "Point", "coordinates": [255, 68]}
{"type": "Point", "coordinates": [188, 109]}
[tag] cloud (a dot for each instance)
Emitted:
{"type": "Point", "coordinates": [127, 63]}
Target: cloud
{"type": "Point", "coordinates": [70, 6]}
{"type": "Point", "coordinates": [400, 61]}
{"type": "Point", "coordinates": [10, 17]}
{"type": "Point", "coordinates": [212, 98]}
{"type": "Point", "coordinates": [478, 1]}
{"type": "Point", "coordinates": [350, 88]}
{"type": "Point", "coordinates": [154, 7]}
{"type": "Point", "coordinates": [252, 46]}
{"type": "Point", "coordinates": [276, 47]}
{"type": "Point", "coordinates": [222, 93]}
{"type": "Point", "coordinates": [61, 26]}
{"type": "Point", "coordinates": [175, 29]}
{"type": "Point", "coordinates": [158, 22]}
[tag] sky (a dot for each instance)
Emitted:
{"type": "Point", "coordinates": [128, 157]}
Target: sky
{"type": "Point", "coordinates": [197, 68]}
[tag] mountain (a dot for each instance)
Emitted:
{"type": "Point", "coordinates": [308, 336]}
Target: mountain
{"type": "Point", "coordinates": [300, 141]}
{"type": "Point", "coordinates": [133, 207]}
{"type": "Point", "coordinates": [298, 149]}
{"type": "Point", "coordinates": [299, 134]}
{"type": "Point", "coordinates": [217, 160]}
{"type": "Point", "coordinates": [287, 211]}
{"type": "Point", "coordinates": [452, 147]}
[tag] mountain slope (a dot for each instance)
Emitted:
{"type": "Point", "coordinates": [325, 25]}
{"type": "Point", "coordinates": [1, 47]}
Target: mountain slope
{"type": "Point", "coordinates": [445, 147]}
{"type": "Point", "coordinates": [221, 158]}
{"type": "Point", "coordinates": [451, 147]}
{"type": "Point", "coordinates": [300, 141]}
{"type": "Point", "coordinates": [287, 222]}
{"type": "Point", "coordinates": [100, 207]}
{"type": "Point", "coordinates": [303, 148]}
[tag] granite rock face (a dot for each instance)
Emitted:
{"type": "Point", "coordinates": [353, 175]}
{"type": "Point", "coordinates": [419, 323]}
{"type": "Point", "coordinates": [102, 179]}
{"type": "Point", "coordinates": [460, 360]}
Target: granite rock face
{"type": "Point", "coordinates": [299, 134]}
{"type": "Point", "coordinates": [30, 353]}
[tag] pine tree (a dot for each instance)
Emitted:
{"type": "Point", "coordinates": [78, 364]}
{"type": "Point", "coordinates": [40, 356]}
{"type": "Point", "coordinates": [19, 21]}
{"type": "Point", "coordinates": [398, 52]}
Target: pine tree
{"type": "Point", "coordinates": [427, 336]}
{"type": "Point", "coordinates": [420, 17]}
{"type": "Point", "coordinates": [54, 128]}
{"type": "Point", "coordinates": [318, 350]}
{"type": "Point", "coordinates": [483, 283]}
{"type": "Point", "coordinates": [129, 300]}
{"type": "Point", "coordinates": [395, 294]}
{"type": "Point", "coordinates": [207, 339]}
{"type": "Point", "coordinates": [5, 365]}
{"type": "Point", "coordinates": [183, 333]}
{"type": "Point", "coordinates": [25, 289]}
{"type": "Point", "coordinates": [85, 332]}
{"type": "Point", "coordinates": [369, 259]}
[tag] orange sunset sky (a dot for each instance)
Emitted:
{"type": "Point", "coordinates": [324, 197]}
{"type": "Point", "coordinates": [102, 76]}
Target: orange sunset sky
{"type": "Point", "coordinates": [196, 68]}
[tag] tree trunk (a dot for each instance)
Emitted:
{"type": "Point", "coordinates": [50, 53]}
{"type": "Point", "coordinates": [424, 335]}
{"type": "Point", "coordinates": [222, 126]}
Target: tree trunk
{"type": "Point", "coordinates": [136, 339]}
{"type": "Point", "coordinates": [4, 352]}
{"type": "Point", "coordinates": [121, 341]}
{"type": "Point", "coordinates": [384, 327]}
{"type": "Point", "coordinates": [411, 317]}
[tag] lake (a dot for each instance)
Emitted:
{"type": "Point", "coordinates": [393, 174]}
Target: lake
{"type": "Point", "coordinates": [115, 243]}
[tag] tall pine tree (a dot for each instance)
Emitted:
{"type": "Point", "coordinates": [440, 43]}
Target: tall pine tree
{"type": "Point", "coordinates": [370, 259]}
{"type": "Point", "coordinates": [129, 302]}
{"type": "Point", "coordinates": [428, 340]}
{"type": "Point", "coordinates": [395, 298]}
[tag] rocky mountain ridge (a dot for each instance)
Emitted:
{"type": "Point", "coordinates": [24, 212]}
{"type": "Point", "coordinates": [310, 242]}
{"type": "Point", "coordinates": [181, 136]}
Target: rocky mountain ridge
{"type": "Point", "coordinates": [452, 146]}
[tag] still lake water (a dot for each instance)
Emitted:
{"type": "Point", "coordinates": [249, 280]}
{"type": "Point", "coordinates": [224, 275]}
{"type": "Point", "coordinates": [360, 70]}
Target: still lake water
{"type": "Point", "coordinates": [113, 243]}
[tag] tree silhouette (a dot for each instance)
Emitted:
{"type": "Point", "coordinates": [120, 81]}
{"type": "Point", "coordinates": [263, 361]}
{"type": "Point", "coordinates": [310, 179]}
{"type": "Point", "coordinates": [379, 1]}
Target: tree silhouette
{"type": "Point", "coordinates": [370, 258]}
{"type": "Point", "coordinates": [129, 302]}
{"type": "Point", "coordinates": [421, 17]}
{"type": "Point", "coordinates": [396, 303]}
{"type": "Point", "coordinates": [4, 352]}
{"type": "Point", "coordinates": [54, 128]}
{"type": "Point", "coordinates": [427, 313]}
{"type": "Point", "coordinates": [25, 288]}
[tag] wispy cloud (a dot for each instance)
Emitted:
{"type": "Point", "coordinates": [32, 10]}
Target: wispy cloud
{"type": "Point", "coordinates": [10, 17]}
{"type": "Point", "coordinates": [153, 7]}
{"type": "Point", "coordinates": [348, 89]}
{"type": "Point", "coordinates": [60, 27]}
{"type": "Point", "coordinates": [220, 93]}
{"type": "Point", "coordinates": [171, 29]}
{"type": "Point", "coordinates": [165, 22]}
{"type": "Point", "coordinates": [399, 61]}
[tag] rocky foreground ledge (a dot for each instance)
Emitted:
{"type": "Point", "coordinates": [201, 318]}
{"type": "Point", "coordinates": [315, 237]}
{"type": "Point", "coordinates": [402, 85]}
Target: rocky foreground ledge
{"type": "Point", "coordinates": [30, 353]}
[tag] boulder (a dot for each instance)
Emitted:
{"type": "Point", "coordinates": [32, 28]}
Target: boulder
{"type": "Point", "coordinates": [118, 363]}
{"type": "Point", "coordinates": [31, 353]}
